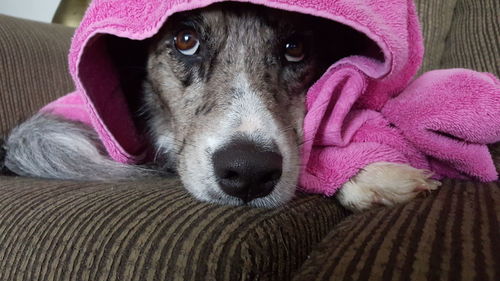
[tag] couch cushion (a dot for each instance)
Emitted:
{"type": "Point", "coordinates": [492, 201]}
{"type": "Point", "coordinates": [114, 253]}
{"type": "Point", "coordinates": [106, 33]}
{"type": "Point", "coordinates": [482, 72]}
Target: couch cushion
{"type": "Point", "coordinates": [33, 67]}
{"type": "Point", "coordinates": [454, 234]}
{"type": "Point", "coordinates": [150, 230]}
{"type": "Point", "coordinates": [436, 17]}
{"type": "Point", "coordinates": [473, 40]}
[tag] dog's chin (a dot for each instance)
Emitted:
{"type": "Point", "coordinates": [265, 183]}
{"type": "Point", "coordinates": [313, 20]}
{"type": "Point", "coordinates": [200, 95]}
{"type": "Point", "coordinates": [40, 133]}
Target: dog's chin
{"type": "Point", "coordinates": [282, 194]}
{"type": "Point", "coordinates": [200, 181]}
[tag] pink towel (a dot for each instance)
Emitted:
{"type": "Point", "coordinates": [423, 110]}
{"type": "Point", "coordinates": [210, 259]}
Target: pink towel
{"type": "Point", "coordinates": [450, 116]}
{"type": "Point", "coordinates": [349, 123]}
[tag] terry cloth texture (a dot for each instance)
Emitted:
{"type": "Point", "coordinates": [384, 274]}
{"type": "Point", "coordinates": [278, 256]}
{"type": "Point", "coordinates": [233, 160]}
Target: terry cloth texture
{"type": "Point", "coordinates": [33, 68]}
{"type": "Point", "coordinates": [392, 25]}
{"type": "Point", "coordinates": [452, 235]}
{"type": "Point", "coordinates": [349, 122]}
{"type": "Point", "coordinates": [152, 230]}
{"type": "Point", "coordinates": [451, 115]}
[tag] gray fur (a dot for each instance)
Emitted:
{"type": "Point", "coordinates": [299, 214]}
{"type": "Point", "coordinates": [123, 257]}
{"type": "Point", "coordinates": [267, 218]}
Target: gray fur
{"type": "Point", "coordinates": [239, 84]}
{"type": "Point", "coordinates": [3, 152]}
{"type": "Point", "coordinates": [50, 147]}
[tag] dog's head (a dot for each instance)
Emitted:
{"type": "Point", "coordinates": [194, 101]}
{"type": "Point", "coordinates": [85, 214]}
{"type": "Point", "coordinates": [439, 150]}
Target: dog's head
{"type": "Point", "coordinates": [225, 93]}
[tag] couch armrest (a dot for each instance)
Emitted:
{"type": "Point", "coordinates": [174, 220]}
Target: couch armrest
{"type": "Point", "coordinates": [33, 67]}
{"type": "Point", "coordinates": [451, 235]}
{"type": "Point", "coordinates": [436, 17]}
{"type": "Point", "coordinates": [460, 33]}
{"type": "Point", "coordinates": [473, 38]}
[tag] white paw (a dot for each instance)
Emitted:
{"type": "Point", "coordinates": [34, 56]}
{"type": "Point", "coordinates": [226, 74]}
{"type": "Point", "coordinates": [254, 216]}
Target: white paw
{"type": "Point", "coordinates": [385, 184]}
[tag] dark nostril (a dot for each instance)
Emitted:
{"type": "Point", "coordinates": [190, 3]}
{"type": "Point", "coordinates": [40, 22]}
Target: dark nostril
{"type": "Point", "coordinates": [270, 177]}
{"type": "Point", "coordinates": [230, 175]}
{"type": "Point", "coordinates": [247, 171]}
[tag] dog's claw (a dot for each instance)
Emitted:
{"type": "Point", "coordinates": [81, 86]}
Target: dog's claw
{"type": "Point", "coordinates": [430, 186]}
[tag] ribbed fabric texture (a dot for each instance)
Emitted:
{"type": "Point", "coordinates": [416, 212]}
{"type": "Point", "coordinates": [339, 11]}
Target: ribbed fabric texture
{"type": "Point", "coordinates": [33, 68]}
{"type": "Point", "coordinates": [461, 34]}
{"type": "Point", "coordinates": [436, 19]}
{"type": "Point", "coordinates": [150, 230]}
{"type": "Point", "coordinates": [452, 235]}
{"type": "Point", "coordinates": [474, 38]}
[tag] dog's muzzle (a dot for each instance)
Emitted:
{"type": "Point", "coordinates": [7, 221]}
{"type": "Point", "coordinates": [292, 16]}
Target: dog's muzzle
{"type": "Point", "coordinates": [246, 170]}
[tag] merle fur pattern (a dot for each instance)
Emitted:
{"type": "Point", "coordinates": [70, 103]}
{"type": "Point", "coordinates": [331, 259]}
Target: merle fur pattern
{"type": "Point", "coordinates": [238, 85]}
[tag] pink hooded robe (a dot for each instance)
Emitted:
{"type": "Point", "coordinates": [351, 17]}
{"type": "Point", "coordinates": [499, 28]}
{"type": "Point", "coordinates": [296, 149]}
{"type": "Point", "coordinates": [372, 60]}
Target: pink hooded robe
{"type": "Point", "coordinates": [363, 110]}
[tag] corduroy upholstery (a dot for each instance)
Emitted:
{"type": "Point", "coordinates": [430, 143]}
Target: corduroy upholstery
{"type": "Point", "coordinates": [454, 234]}
{"type": "Point", "coordinates": [473, 39]}
{"type": "Point", "coordinates": [153, 230]}
{"type": "Point", "coordinates": [460, 34]}
{"type": "Point", "coordinates": [150, 230]}
{"type": "Point", "coordinates": [436, 18]}
{"type": "Point", "coordinates": [33, 68]}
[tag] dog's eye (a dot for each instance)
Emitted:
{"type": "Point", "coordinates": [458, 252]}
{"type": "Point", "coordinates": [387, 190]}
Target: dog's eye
{"type": "Point", "coordinates": [294, 50]}
{"type": "Point", "coordinates": [187, 42]}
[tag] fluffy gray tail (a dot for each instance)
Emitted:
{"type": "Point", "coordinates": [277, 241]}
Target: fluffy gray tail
{"type": "Point", "coordinates": [50, 147]}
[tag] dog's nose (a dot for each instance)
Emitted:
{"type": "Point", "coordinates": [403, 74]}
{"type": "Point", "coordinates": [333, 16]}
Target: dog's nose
{"type": "Point", "coordinates": [247, 171]}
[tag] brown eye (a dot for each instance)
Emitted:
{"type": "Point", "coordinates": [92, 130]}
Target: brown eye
{"type": "Point", "coordinates": [187, 42]}
{"type": "Point", "coordinates": [294, 51]}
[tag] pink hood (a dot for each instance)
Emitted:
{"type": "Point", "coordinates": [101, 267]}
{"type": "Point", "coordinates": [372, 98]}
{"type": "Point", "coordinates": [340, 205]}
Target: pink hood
{"type": "Point", "coordinates": [366, 83]}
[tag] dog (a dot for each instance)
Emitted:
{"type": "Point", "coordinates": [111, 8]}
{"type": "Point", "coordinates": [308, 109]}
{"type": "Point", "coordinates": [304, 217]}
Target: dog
{"type": "Point", "coordinates": [223, 101]}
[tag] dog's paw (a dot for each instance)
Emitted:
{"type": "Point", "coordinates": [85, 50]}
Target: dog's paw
{"type": "Point", "coordinates": [385, 184]}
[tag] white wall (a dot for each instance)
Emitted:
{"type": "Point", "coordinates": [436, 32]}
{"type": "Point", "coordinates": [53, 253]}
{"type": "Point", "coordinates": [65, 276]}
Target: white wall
{"type": "Point", "coordinates": [39, 10]}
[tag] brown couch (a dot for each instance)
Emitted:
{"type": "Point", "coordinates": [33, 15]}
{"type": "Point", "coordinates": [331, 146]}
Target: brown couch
{"type": "Point", "coordinates": [153, 230]}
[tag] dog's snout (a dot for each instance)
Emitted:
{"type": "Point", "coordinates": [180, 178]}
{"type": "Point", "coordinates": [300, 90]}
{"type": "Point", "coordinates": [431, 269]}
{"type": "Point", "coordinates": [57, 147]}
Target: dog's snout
{"type": "Point", "coordinates": [247, 171]}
